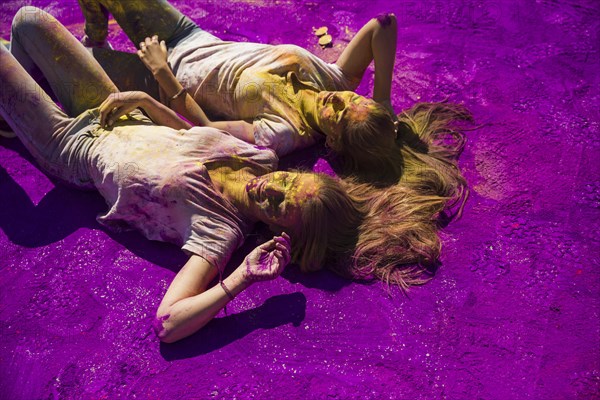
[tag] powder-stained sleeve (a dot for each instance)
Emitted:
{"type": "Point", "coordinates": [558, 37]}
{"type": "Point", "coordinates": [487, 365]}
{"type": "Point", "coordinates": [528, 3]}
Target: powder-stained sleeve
{"type": "Point", "coordinates": [155, 180]}
{"type": "Point", "coordinates": [275, 133]}
{"type": "Point", "coordinates": [213, 239]}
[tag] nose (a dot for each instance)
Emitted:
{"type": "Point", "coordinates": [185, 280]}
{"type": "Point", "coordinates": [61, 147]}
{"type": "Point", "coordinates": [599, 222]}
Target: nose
{"type": "Point", "coordinates": [275, 190]}
{"type": "Point", "coordinates": [335, 98]}
{"type": "Point", "coordinates": [337, 102]}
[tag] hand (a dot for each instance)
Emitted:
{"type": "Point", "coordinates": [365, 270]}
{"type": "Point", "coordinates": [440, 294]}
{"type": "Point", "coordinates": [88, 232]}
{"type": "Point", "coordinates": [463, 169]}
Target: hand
{"type": "Point", "coordinates": [118, 104]}
{"type": "Point", "coordinates": [153, 54]}
{"type": "Point", "coordinates": [268, 260]}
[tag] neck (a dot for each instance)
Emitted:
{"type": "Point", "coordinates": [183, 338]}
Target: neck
{"type": "Point", "coordinates": [308, 107]}
{"type": "Point", "coordinates": [232, 184]}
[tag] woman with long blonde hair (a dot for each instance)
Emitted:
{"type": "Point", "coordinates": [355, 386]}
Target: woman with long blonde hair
{"type": "Point", "coordinates": [197, 187]}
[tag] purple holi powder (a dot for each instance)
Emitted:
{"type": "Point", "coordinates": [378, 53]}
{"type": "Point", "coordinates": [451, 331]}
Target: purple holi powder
{"type": "Point", "coordinates": [511, 314]}
{"type": "Point", "coordinates": [323, 167]}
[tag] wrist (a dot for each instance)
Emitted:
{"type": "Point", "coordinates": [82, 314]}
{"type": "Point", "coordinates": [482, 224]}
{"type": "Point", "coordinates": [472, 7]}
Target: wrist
{"type": "Point", "coordinates": [161, 72]}
{"type": "Point", "coordinates": [237, 282]}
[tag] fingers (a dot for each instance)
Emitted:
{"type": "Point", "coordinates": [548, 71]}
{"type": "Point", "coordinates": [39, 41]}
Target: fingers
{"type": "Point", "coordinates": [146, 43]}
{"type": "Point", "coordinates": [282, 262]}
{"type": "Point", "coordinates": [283, 254]}
{"type": "Point", "coordinates": [150, 41]}
{"type": "Point", "coordinates": [269, 259]}
{"type": "Point", "coordinates": [284, 240]}
{"type": "Point", "coordinates": [268, 246]}
{"type": "Point", "coordinates": [116, 113]}
{"type": "Point", "coordinates": [285, 236]}
{"type": "Point", "coordinates": [115, 105]}
{"type": "Point", "coordinates": [110, 115]}
{"type": "Point", "coordinates": [283, 248]}
{"type": "Point", "coordinates": [104, 109]}
{"type": "Point", "coordinates": [153, 52]}
{"type": "Point", "coordinates": [110, 109]}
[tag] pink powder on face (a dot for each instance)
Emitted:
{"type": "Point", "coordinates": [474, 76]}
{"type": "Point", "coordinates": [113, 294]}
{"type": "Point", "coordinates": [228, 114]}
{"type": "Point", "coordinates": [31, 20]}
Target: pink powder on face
{"type": "Point", "coordinates": [508, 299]}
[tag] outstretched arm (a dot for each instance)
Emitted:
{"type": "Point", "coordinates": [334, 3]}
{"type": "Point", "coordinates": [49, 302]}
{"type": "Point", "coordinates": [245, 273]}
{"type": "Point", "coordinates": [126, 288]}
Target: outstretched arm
{"type": "Point", "coordinates": [375, 41]}
{"type": "Point", "coordinates": [154, 55]}
{"type": "Point", "coordinates": [188, 305]}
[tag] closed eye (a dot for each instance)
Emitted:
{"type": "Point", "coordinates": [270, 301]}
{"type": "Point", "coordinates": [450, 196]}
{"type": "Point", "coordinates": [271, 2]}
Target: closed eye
{"type": "Point", "coordinates": [338, 106]}
{"type": "Point", "coordinates": [276, 199]}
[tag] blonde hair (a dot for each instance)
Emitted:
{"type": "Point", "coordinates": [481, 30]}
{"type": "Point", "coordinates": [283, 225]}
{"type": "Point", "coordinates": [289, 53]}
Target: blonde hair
{"type": "Point", "coordinates": [398, 240]}
{"type": "Point", "coordinates": [366, 147]}
{"type": "Point", "coordinates": [329, 227]}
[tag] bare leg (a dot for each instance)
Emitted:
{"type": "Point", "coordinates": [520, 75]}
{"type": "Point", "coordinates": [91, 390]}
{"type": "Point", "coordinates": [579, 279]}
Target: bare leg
{"type": "Point", "coordinates": [40, 43]}
{"type": "Point", "coordinates": [375, 41]}
{"type": "Point", "coordinates": [57, 142]}
{"type": "Point", "coordinates": [96, 21]}
{"type": "Point", "coordinates": [138, 18]}
{"type": "Point", "coordinates": [127, 71]}
{"type": "Point", "coordinates": [30, 112]}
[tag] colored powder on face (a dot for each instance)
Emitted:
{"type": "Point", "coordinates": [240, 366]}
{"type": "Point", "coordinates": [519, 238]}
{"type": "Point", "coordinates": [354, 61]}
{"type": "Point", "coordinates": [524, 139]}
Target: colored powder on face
{"type": "Point", "coordinates": [511, 313]}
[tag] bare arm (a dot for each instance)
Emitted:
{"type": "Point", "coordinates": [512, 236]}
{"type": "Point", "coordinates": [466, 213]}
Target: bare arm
{"type": "Point", "coordinates": [375, 41]}
{"type": "Point", "coordinates": [121, 103]}
{"type": "Point", "coordinates": [188, 305]}
{"type": "Point", "coordinates": [154, 55]}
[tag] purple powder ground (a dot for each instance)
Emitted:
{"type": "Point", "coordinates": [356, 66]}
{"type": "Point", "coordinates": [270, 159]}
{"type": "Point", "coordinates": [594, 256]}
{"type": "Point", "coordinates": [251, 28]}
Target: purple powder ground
{"type": "Point", "coordinates": [512, 313]}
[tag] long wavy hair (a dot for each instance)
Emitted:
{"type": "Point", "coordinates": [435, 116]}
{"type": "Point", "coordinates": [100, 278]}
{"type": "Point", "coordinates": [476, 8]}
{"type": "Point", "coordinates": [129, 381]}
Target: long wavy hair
{"type": "Point", "coordinates": [365, 148]}
{"type": "Point", "coordinates": [329, 227]}
{"type": "Point", "coordinates": [398, 240]}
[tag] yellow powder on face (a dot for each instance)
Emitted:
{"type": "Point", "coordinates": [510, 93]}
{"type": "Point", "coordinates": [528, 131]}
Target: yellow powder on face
{"type": "Point", "coordinates": [360, 108]}
{"type": "Point", "coordinates": [302, 190]}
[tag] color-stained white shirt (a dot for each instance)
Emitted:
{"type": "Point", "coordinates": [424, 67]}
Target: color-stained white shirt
{"type": "Point", "coordinates": [256, 83]}
{"type": "Point", "coordinates": [155, 180]}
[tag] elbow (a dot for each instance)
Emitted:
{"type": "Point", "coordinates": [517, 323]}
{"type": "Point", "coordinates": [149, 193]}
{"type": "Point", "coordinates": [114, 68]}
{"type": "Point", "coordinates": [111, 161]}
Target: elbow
{"type": "Point", "coordinates": [387, 20]}
{"type": "Point", "coordinates": [163, 329]}
{"type": "Point", "coordinates": [169, 331]}
{"type": "Point", "coordinates": [168, 339]}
